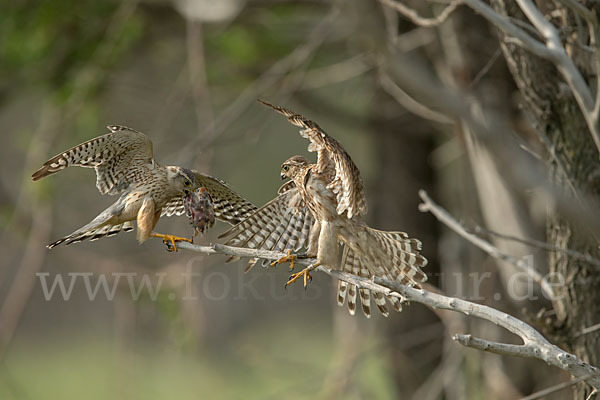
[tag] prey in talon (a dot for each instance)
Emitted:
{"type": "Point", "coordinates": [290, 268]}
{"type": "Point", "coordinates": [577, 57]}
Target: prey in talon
{"type": "Point", "coordinates": [199, 210]}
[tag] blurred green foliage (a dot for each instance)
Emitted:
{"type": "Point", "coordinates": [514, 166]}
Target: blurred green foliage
{"type": "Point", "coordinates": [260, 362]}
{"type": "Point", "coordinates": [46, 43]}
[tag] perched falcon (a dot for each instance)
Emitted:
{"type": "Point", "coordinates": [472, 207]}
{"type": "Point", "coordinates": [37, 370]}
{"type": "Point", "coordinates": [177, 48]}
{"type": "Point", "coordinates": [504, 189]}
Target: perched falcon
{"type": "Point", "coordinates": [125, 165]}
{"type": "Point", "coordinates": [332, 190]}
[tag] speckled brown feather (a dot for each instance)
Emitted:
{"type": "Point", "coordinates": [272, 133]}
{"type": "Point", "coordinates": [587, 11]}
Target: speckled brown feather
{"type": "Point", "coordinates": [346, 183]}
{"type": "Point", "coordinates": [283, 223]}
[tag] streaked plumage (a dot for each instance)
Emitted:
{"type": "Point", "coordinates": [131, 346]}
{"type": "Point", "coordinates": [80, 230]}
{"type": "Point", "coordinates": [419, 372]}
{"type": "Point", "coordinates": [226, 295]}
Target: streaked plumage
{"type": "Point", "coordinates": [125, 165]}
{"type": "Point", "coordinates": [332, 190]}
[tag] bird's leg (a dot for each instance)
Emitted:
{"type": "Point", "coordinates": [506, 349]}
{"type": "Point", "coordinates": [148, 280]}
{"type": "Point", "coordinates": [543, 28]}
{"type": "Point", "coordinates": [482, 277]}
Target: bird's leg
{"type": "Point", "coordinates": [170, 240]}
{"type": "Point", "coordinates": [305, 273]}
{"type": "Point", "coordinates": [291, 258]}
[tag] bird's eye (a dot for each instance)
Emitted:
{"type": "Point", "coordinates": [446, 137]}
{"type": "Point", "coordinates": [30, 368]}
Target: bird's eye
{"type": "Point", "coordinates": [187, 183]}
{"type": "Point", "coordinates": [286, 168]}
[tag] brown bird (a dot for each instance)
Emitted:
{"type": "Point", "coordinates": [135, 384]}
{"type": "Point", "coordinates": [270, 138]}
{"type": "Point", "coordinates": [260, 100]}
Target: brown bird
{"type": "Point", "coordinates": [125, 165]}
{"type": "Point", "coordinates": [333, 193]}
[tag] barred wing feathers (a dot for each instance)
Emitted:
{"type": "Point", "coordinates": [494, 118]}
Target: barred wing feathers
{"type": "Point", "coordinates": [118, 157]}
{"type": "Point", "coordinates": [346, 182]}
{"type": "Point", "coordinates": [284, 223]}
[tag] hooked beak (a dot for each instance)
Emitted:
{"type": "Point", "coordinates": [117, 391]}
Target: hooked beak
{"type": "Point", "coordinates": [283, 177]}
{"type": "Point", "coordinates": [186, 192]}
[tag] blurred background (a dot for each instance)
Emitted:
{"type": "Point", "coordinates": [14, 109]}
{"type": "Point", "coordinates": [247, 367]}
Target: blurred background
{"type": "Point", "coordinates": [188, 73]}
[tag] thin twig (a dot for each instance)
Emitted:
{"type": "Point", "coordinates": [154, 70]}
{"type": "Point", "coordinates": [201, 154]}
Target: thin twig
{"type": "Point", "coordinates": [553, 389]}
{"type": "Point", "coordinates": [552, 50]}
{"type": "Point", "coordinates": [444, 217]}
{"type": "Point", "coordinates": [409, 103]}
{"type": "Point", "coordinates": [272, 76]}
{"type": "Point", "coordinates": [588, 330]}
{"type": "Point", "coordinates": [418, 82]}
{"type": "Point", "coordinates": [534, 344]}
{"type": "Point", "coordinates": [335, 73]}
{"type": "Point", "coordinates": [416, 19]}
{"type": "Point", "coordinates": [537, 243]}
{"type": "Point", "coordinates": [485, 68]}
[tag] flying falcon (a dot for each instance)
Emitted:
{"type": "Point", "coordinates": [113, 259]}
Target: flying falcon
{"type": "Point", "coordinates": [125, 166]}
{"type": "Point", "coordinates": [331, 191]}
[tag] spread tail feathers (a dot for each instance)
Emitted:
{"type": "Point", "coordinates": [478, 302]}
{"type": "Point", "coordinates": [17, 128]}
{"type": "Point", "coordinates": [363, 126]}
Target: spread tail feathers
{"type": "Point", "coordinates": [398, 255]}
{"type": "Point", "coordinates": [394, 256]}
{"type": "Point", "coordinates": [92, 234]}
{"type": "Point", "coordinates": [104, 224]}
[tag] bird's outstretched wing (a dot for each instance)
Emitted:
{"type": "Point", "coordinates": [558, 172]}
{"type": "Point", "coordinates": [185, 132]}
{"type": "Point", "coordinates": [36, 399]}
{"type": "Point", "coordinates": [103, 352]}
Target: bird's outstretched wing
{"type": "Point", "coordinates": [284, 223]}
{"type": "Point", "coordinates": [118, 157]}
{"type": "Point", "coordinates": [228, 206]}
{"type": "Point", "coordinates": [346, 183]}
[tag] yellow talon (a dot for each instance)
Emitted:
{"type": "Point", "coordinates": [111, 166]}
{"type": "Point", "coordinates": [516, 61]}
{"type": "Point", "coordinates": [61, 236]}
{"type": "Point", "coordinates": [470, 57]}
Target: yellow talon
{"type": "Point", "coordinates": [170, 240]}
{"type": "Point", "coordinates": [289, 258]}
{"type": "Point", "coordinates": [304, 273]}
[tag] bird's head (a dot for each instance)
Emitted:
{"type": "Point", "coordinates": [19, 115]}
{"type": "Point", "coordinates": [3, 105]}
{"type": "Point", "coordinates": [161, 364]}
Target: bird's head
{"type": "Point", "coordinates": [181, 179]}
{"type": "Point", "coordinates": [293, 166]}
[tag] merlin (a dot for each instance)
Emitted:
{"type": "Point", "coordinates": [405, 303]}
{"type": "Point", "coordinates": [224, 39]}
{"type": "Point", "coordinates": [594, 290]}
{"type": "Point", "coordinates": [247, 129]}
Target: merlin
{"type": "Point", "coordinates": [332, 192]}
{"type": "Point", "coordinates": [125, 166]}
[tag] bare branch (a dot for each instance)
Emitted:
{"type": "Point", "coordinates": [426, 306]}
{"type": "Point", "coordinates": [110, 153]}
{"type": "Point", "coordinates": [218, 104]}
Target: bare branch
{"type": "Point", "coordinates": [552, 50]}
{"type": "Point", "coordinates": [588, 330]}
{"type": "Point", "coordinates": [592, 394]}
{"type": "Point", "coordinates": [534, 344]}
{"type": "Point", "coordinates": [411, 75]}
{"type": "Point", "coordinates": [416, 18]}
{"type": "Point", "coordinates": [537, 243]}
{"type": "Point", "coordinates": [444, 217]}
{"type": "Point", "coordinates": [517, 350]}
{"type": "Point", "coordinates": [485, 69]}
{"type": "Point", "coordinates": [275, 74]}
{"type": "Point", "coordinates": [520, 37]}
{"type": "Point", "coordinates": [594, 30]}
{"type": "Point", "coordinates": [409, 103]}
{"type": "Point", "coordinates": [553, 389]}
{"type": "Point", "coordinates": [339, 72]}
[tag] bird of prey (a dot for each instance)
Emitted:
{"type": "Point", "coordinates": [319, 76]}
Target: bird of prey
{"type": "Point", "coordinates": [199, 209]}
{"type": "Point", "coordinates": [333, 193]}
{"type": "Point", "coordinates": [125, 166]}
